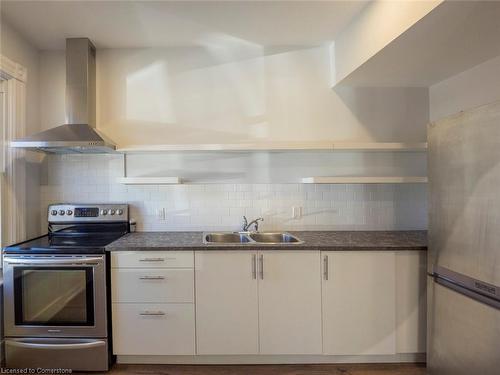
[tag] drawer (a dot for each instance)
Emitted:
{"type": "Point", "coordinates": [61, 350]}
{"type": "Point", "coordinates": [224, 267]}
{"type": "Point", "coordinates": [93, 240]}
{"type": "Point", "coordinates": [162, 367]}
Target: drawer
{"type": "Point", "coordinates": [152, 259]}
{"type": "Point", "coordinates": [153, 329]}
{"type": "Point", "coordinates": [152, 285]}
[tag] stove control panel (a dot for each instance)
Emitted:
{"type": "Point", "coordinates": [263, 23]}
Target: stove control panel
{"type": "Point", "coordinates": [66, 212]}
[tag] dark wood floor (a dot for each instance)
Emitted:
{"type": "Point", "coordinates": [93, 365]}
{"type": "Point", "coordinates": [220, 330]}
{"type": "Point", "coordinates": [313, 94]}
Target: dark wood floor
{"type": "Point", "coordinates": [364, 369]}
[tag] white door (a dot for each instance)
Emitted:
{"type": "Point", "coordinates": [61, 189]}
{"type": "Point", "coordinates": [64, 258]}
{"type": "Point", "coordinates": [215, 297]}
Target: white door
{"type": "Point", "coordinates": [290, 302]}
{"type": "Point", "coordinates": [359, 297]}
{"type": "Point", "coordinates": [226, 302]}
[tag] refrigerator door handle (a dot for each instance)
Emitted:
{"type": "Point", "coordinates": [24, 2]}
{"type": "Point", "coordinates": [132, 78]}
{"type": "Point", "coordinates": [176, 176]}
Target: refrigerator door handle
{"type": "Point", "coordinates": [467, 282]}
{"type": "Point", "coordinates": [467, 292]}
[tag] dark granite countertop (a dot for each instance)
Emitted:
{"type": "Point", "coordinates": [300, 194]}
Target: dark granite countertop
{"type": "Point", "coordinates": [313, 240]}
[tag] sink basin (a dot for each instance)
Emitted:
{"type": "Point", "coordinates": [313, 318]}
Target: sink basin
{"type": "Point", "coordinates": [250, 238]}
{"type": "Point", "coordinates": [225, 238]}
{"type": "Point", "coordinates": [274, 238]}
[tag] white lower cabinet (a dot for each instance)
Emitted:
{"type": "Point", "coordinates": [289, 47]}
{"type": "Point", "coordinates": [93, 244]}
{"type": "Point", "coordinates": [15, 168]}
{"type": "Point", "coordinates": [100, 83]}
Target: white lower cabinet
{"type": "Point", "coordinates": [411, 301]}
{"type": "Point", "coordinates": [153, 329]}
{"type": "Point", "coordinates": [152, 296]}
{"type": "Point", "coordinates": [269, 302]}
{"type": "Point", "coordinates": [226, 302]}
{"type": "Point", "coordinates": [359, 302]}
{"type": "Point", "coordinates": [374, 302]}
{"type": "Point", "coordinates": [266, 302]}
{"type": "Point", "coordinates": [290, 302]}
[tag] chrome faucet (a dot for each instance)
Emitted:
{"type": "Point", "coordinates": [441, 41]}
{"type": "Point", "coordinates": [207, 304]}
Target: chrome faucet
{"type": "Point", "coordinates": [247, 225]}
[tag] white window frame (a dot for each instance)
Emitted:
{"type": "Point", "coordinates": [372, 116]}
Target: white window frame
{"type": "Point", "coordinates": [13, 171]}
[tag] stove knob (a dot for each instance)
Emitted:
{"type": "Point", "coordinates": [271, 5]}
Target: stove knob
{"type": "Point", "coordinates": [53, 212]}
{"type": "Point", "coordinates": [111, 212]}
{"type": "Point", "coordinates": [69, 212]}
{"type": "Point", "coordinates": [61, 212]}
{"type": "Point", "coordinates": [119, 211]}
{"type": "Point", "coordinates": [104, 212]}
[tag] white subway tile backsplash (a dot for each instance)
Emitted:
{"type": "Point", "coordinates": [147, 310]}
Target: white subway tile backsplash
{"type": "Point", "coordinates": [92, 178]}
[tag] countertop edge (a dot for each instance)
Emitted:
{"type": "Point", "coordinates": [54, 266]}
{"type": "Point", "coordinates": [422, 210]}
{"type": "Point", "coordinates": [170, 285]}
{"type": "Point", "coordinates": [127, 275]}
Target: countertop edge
{"type": "Point", "coordinates": [264, 248]}
{"type": "Point", "coordinates": [115, 250]}
{"type": "Point", "coordinates": [415, 240]}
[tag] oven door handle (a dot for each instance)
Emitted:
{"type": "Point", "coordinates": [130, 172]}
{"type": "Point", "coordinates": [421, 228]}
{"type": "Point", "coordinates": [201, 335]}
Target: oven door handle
{"type": "Point", "coordinates": [32, 345]}
{"type": "Point", "coordinates": [52, 262]}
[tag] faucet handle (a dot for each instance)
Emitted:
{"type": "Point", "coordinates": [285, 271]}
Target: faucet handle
{"type": "Point", "coordinates": [245, 223]}
{"type": "Point", "coordinates": [257, 225]}
{"type": "Point", "coordinates": [256, 221]}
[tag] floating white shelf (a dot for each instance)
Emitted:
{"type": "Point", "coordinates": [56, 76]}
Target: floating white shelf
{"type": "Point", "coordinates": [149, 180]}
{"type": "Point", "coordinates": [283, 146]}
{"type": "Point", "coordinates": [381, 146]}
{"type": "Point", "coordinates": [364, 180]}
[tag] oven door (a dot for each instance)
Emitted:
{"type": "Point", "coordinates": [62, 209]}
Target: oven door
{"type": "Point", "coordinates": [55, 296]}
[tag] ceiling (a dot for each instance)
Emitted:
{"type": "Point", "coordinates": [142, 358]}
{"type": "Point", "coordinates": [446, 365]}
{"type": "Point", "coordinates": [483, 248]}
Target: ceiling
{"type": "Point", "coordinates": [135, 24]}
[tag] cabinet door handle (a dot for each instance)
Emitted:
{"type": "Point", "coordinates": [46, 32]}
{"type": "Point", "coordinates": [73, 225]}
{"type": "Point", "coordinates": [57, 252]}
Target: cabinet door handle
{"type": "Point", "coordinates": [152, 278]}
{"type": "Point", "coordinates": [254, 266]}
{"type": "Point", "coordinates": [261, 261]}
{"type": "Point", "coordinates": [152, 260]}
{"type": "Point", "coordinates": [325, 267]}
{"type": "Point", "coordinates": [152, 313]}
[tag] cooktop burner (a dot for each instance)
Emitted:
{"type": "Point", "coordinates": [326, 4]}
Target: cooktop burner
{"type": "Point", "coordinates": [50, 244]}
{"type": "Point", "coordinates": [78, 229]}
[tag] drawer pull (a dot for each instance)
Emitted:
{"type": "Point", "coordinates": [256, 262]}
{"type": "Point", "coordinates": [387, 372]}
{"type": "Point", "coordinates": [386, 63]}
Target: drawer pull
{"type": "Point", "coordinates": [151, 278]}
{"type": "Point", "coordinates": [325, 267]}
{"type": "Point", "coordinates": [152, 313]}
{"type": "Point", "coordinates": [261, 261]}
{"type": "Point", "coordinates": [254, 266]}
{"type": "Point", "coordinates": [152, 260]}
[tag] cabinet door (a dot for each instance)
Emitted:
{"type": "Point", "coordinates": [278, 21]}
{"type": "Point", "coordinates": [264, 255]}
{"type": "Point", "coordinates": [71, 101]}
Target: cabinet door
{"type": "Point", "coordinates": [290, 302]}
{"type": "Point", "coordinates": [359, 302]}
{"type": "Point", "coordinates": [411, 301]}
{"type": "Point", "coordinates": [226, 302]}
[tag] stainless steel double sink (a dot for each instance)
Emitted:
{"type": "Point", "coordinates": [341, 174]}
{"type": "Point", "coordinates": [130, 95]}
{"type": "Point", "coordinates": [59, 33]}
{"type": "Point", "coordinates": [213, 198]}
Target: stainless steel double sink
{"type": "Point", "coordinates": [250, 238]}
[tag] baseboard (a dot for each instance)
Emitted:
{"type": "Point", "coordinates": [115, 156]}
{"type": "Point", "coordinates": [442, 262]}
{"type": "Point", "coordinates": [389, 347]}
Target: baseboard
{"type": "Point", "coordinates": [268, 359]}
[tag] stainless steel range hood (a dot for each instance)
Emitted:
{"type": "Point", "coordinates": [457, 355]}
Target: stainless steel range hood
{"type": "Point", "coordinates": [79, 134]}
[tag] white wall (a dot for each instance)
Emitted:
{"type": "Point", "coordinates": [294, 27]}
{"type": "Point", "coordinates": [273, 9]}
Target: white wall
{"type": "Point", "coordinates": [53, 78]}
{"type": "Point", "coordinates": [471, 88]}
{"type": "Point", "coordinates": [222, 94]}
{"type": "Point", "coordinates": [18, 49]}
{"type": "Point", "coordinates": [92, 178]}
{"type": "Point", "coordinates": [234, 93]}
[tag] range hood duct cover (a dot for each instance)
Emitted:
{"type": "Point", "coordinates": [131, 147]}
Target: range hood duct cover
{"type": "Point", "coordinates": [78, 135]}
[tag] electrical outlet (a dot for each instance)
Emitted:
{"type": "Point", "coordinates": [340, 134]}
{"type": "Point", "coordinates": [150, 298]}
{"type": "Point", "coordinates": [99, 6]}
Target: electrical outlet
{"type": "Point", "coordinates": [296, 212]}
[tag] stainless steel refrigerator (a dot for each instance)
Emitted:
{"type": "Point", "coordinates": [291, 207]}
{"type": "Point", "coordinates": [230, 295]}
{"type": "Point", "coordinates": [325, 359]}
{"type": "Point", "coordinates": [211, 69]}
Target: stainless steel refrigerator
{"type": "Point", "coordinates": [464, 243]}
